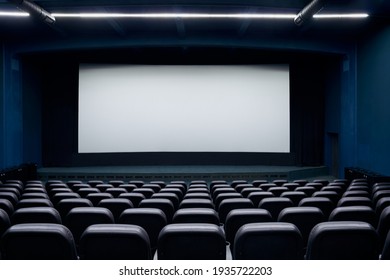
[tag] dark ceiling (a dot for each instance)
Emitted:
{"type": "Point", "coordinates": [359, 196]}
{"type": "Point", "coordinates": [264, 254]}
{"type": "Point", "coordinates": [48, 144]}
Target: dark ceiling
{"type": "Point", "coordinates": [28, 29]}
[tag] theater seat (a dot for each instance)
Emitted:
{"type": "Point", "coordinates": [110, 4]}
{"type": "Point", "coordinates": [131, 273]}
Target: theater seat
{"type": "Point", "coordinates": [354, 213]}
{"type": "Point", "coordinates": [79, 218]}
{"type": "Point", "coordinates": [268, 241]}
{"type": "Point", "coordinates": [275, 204]}
{"type": "Point", "coordinates": [7, 206]}
{"type": "Point", "coordinates": [342, 241]}
{"type": "Point", "coordinates": [196, 203]}
{"type": "Point", "coordinates": [195, 241]}
{"type": "Point", "coordinates": [34, 202]}
{"type": "Point", "coordinates": [386, 249]}
{"type": "Point", "coordinates": [354, 201]}
{"type": "Point", "coordinates": [239, 217]}
{"type": "Point", "coordinates": [65, 205]}
{"type": "Point", "coordinates": [152, 220]}
{"type": "Point", "coordinates": [115, 242]}
{"type": "Point", "coordinates": [116, 206]}
{"type": "Point", "coordinates": [160, 203]}
{"type": "Point", "coordinates": [5, 222]}
{"type": "Point", "coordinates": [233, 203]}
{"type": "Point", "coordinates": [196, 215]}
{"type": "Point", "coordinates": [304, 218]}
{"type": "Point", "coordinates": [324, 203]}
{"type": "Point", "coordinates": [134, 198]}
{"type": "Point", "coordinates": [38, 242]}
{"type": "Point", "coordinates": [383, 225]}
{"type": "Point", "coordinates": [36, 215]}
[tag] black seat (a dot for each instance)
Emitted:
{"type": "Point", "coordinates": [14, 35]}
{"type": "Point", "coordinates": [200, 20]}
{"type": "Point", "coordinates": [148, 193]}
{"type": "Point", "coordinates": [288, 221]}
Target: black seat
{"type": "Point", "coordinates": [34, 202]}
{"type": "Point", "coordinates": [83, 192]}
{"type": "Point", "coordinates": [277, 191]}
{"type": "Point", "coordinates": [268, 241]}
{"type": "Point", "coordinates": [294, 196]}
{"type": "Point", "coordinates": [196, 215]}
{"type": "Point", "coordinates": [116, 183]}
{"type": "Point", "coordinates": [304, 218]}
{"type": "Point", "coordinates": [34, 195]}
{"type": "Point", "coordinates": [247, 191]}
{"type": "Point", "coordinates": [103, 187]}
{"type": "Point", "coordinates": [196, 203]}
{"type": "Point", "coordinates": [386, 249]}
{"type": "Point", "coordinates": [239, 217]}
{"type": "Point", "coordinates": [5, 222]}
{"type": "Point", "coordinates": [171, 196]}
{"type": "Point", "coordinates": [95, 198]}
{"type": "Point", "coordinates": [356, 194]}
{"type": "Point", "coordinates": [134, 198]}
{"type": "Point", "coordinates": [383, 225]}
{"type": "Point", "coordinates": [155, 187]}
{"type": "Point", "coordinates": [197, 196]}
{"type": "Point", "coordinates": [60, 196]}
{"type": "Point", "coordinates": [382, 204]}
{"type": "Point", "coordinates": [7, 206]}
{"type": "Point", "coordinates": [256, 197]}
{"type": "Point", "coordinates": [291, 186]}
{"type": "Point", "coordinates": [222, 196]}
{"type": "Point", "coordinates": [65, 205]}
{"type": "Point", "coordinates": [233, 203]}
{"type": "Point", "coordinates": [196, 241]}
{"type": "Point", "coordinates": [354, 213]}
{"type": "Point", "coordinates": [275, 204]}
{"type": "Point", "coordinates": [258, 183]}
{"type": "Point", "coordinates": [354, 201]}
{"type": "Point", "coordinates": [116, 206]}
{"type": "Point", "coordinates": [147, 192]}
{"type": "Point", "coordinates": [324, 203]}
{"type": "Point", "coordinates": [11, 197]}
{"type": "Point", "coordinates": [160, 203]}
{"type": "Point", "coordinates": [342, 241]}
{"type": "Point", "coordinates": [280, 182]}
{"type": "Point", "coordinates": [115, 242]}
{"type": "Point", "coordinates": [152, 220]}
{"type": "Point", "coordinates": [115, 192]}
{"type": "Point", "coordinates": [380, 194]}
{"type": "Point", "coordinates": [36, 215]}
{"type": "Point", "coordinates": [38, 242]}
{"type": "Point", "coordinates": [307, 190]}
{"type": "Point", "coordinates": [79, 218]}
{"type": "Point", "coordinates": [301, 182]}
{"type": "Point", "coordinates": [332, 195]}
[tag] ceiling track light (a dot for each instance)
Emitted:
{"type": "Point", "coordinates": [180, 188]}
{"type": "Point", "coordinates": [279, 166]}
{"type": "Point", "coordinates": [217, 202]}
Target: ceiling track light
{"type": "Point", "coordinates": [34, 10]}
{"type": "Point", "coordinates": [309, 11]}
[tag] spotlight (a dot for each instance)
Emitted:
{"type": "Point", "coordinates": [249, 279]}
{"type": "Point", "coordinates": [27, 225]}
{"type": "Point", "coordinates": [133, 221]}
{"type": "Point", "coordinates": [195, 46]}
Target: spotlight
{"type": "Point", "coordinates": [34, 10]}
{"type": "Point", "coordinates": [308, 11]}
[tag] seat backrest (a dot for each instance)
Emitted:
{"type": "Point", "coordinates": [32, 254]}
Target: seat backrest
{"type": "Point", "coordinates": [354, 213]}
{"type": "Point", "coordinates": [196, 203]}
{"type": "Point", "coordinates": [79, 218]}
{"type": "Point", "coordinates": [354, 201]}
{"type": "Point", "coordinates": [171, 196]}
{"type": "Point", "coordinates": [115, 242]}
{"type": "Point", "coordinates": [232, 203]}
{"type": "Point", "coordinates": [147, 192]}
{"type": "Point", "coordinates": [34, 202]}
{"type": "Point", "coordinates": [239, 217]}
{"type": "Point", "coordinates": [380, 194]}
{"type": "Point", "coordinates": [383, 225]}
{"type": "Point", "coordinates": [381, 205]}
{"type": "Point", "coordinates": [275, 204]}
{"type": "Point", "coordinates": [116, 206]}
{"type": "Point", "coordinates": [196, 241]}
{"type": "Point", "coordinates": [5, 222]}
{"type": "Point", "coordinates": [342, 241]}
{"type": "Point", "coordinates": [115, 192]}
{"type": "Point", "coordinates": [160, 203]}
{"type": "Point", "coordinates": [222, 196]}
{"type": "Point", "coordinates": [65, 205]}
{"type": "Point", "coordinates": [294, 196]}
{"type": "Point", "coordinates": [304, 218]}
{"type": "Point", "coordinates": [268, 241]}
{"type": "Point", "coordinates": [60, 196]}
{"type": "Point", "coordinates": [256, 197]}
{"type": "Point", "coordinates": [38, 242]}
{"type": "Point", "coordinates": [196, 215]}
{"type": "Point", "coordinates": [7, 206]}
{"type": "Point", "coordinates": [95, 198]}
{"type": "Point", "coordinates": [134, 198]}
{"type": "Point", "coordinates": [36, 215]}
{"type": "Point", "coordinates": [324, 203]}
{"type": "Point", "coordinates": [152, 220]}
{"type": "Point", "coordinates": [277, 191]}
{"type": "Point", "coordinates": [386, 248]}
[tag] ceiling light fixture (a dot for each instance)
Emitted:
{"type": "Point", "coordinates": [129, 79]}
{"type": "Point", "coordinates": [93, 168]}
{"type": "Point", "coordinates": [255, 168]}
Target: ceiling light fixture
{"type": "Point", "coordinates": [173, 15]}
{"type": "Point", "coordinates": [308, 11]}
{"type": "Point", "coordinates": [34, 10]}
{"type": "Point", "coordinates": [13, 14]}
{"type": "Point", "coordinates": [341, 16]}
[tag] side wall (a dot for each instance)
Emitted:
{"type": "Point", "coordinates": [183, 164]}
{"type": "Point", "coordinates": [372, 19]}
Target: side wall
{"type": "Point", "coordinates": [373, 97]}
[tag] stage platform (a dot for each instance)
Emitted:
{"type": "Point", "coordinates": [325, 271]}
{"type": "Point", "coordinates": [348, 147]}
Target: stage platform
{"type": "Point", "coordinates": [185, 173]}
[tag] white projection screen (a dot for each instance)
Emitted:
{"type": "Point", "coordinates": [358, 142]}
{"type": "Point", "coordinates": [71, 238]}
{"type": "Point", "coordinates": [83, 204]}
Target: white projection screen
{"type": "Point", "coordinates": [191, 108]}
